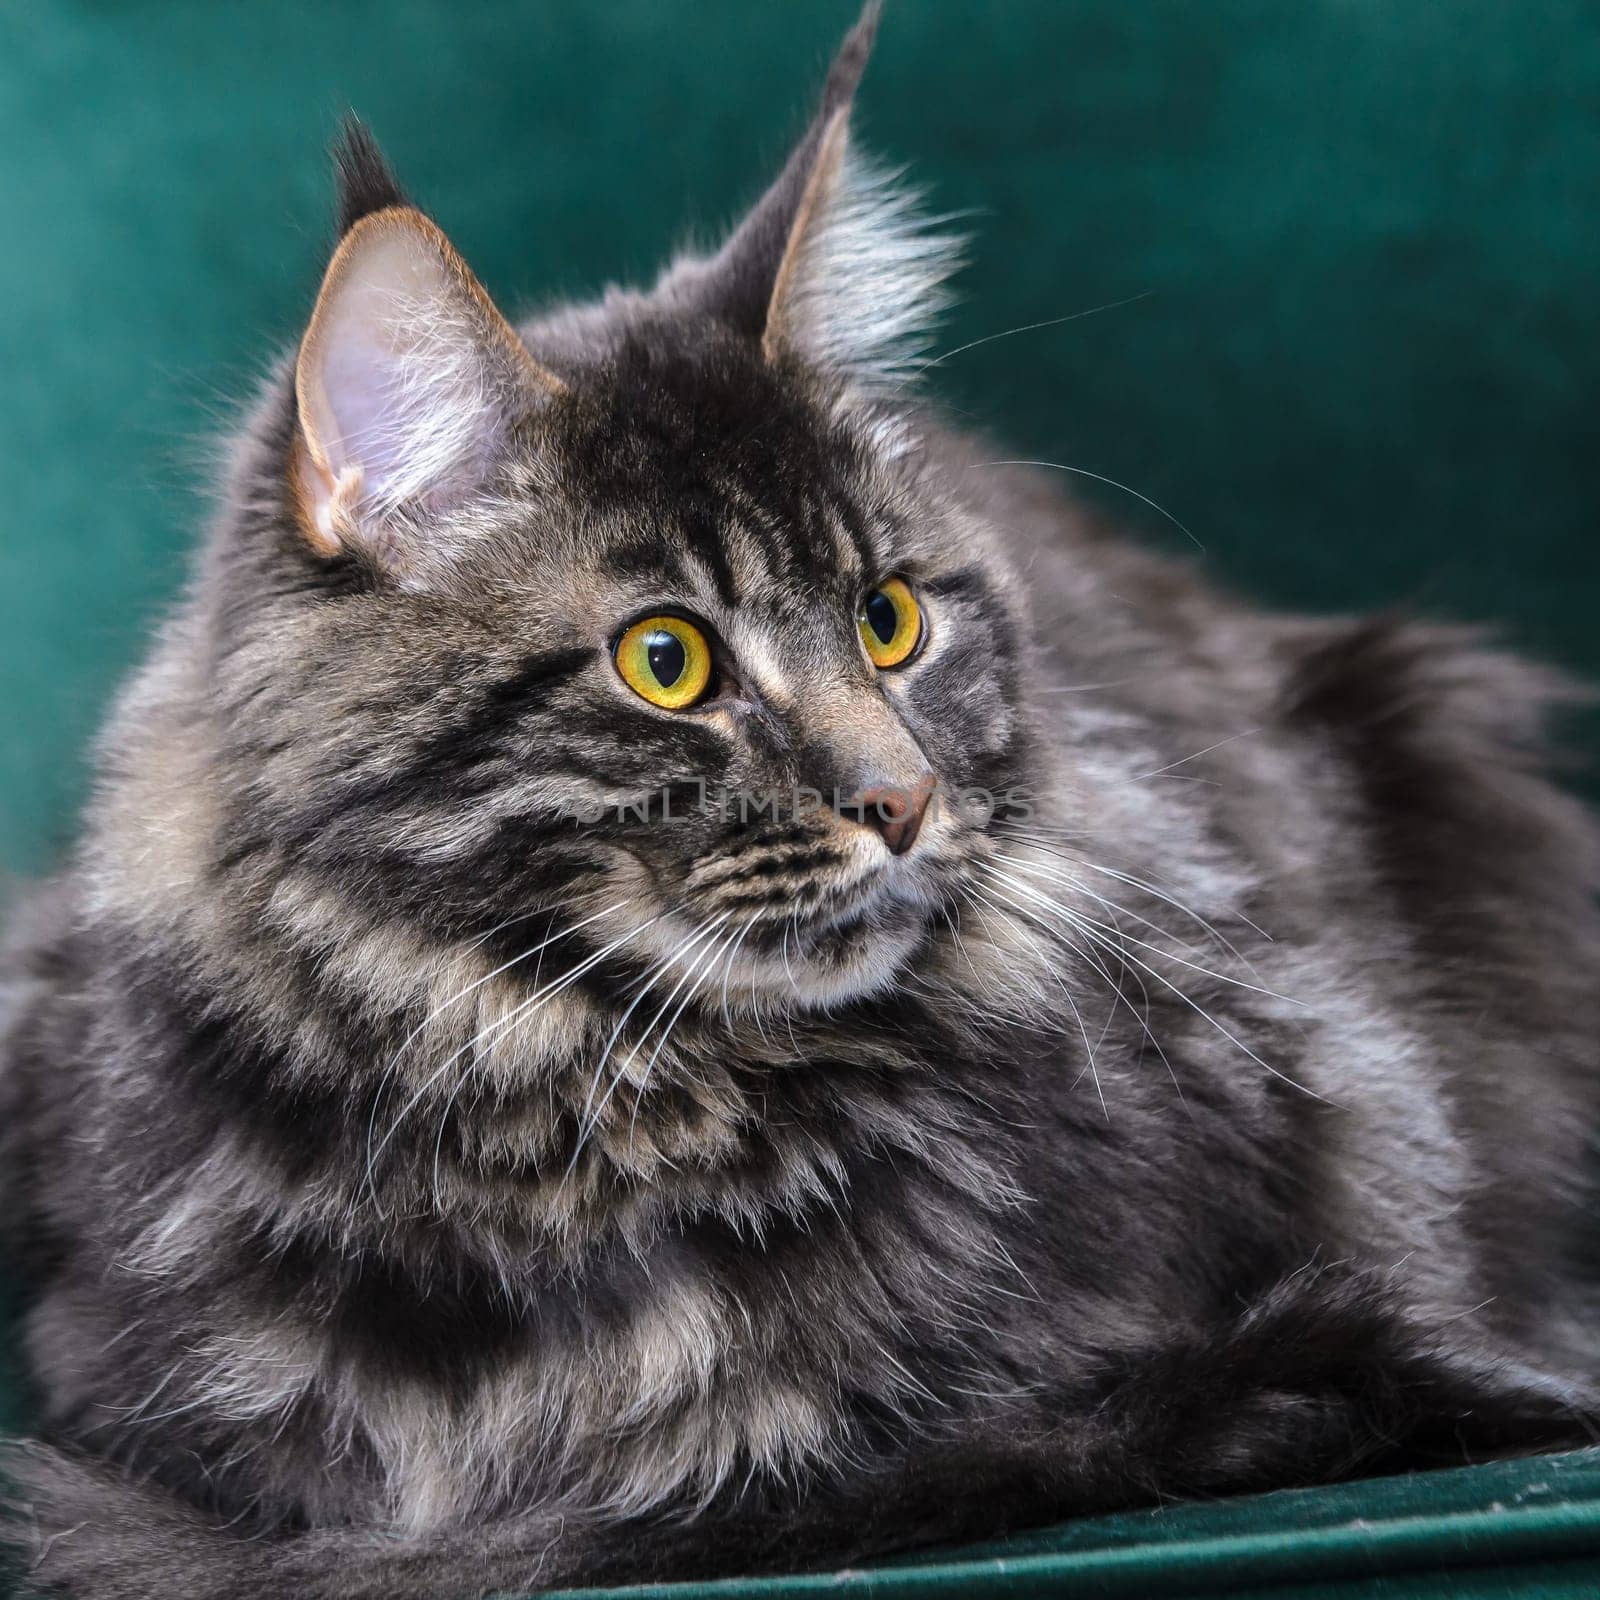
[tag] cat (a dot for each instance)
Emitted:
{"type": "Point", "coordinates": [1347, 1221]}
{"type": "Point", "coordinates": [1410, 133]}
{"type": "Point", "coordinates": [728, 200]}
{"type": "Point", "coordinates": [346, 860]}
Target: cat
{"type": "Point", "coordinates": [674, 972]}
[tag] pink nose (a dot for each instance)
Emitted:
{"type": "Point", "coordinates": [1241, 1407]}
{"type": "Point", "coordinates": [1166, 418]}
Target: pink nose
{"type": "Point", "coordinates": [897, 813]}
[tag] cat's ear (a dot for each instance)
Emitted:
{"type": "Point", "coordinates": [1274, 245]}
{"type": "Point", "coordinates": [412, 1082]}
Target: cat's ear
{"type": "Point", "coordinates": [835, 264]}
{"type": "Point", "coordinates": [408, 377]}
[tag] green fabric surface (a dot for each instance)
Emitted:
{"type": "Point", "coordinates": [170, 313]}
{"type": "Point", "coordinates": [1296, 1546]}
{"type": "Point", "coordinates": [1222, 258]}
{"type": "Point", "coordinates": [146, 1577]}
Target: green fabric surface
{"type": "Point", "coordinates": [1458, 1529]}
{"type": "Point", "coordinates": [1360, 370]}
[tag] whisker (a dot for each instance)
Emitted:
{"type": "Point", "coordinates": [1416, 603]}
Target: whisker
{"type": "Point", "coordinates": [521, 916]}
{"type": "Point", "coordinates": [496, 1030]}
{"type": "Point", "coordinates": [1144, 944]}
{"type": "Point", "coordinates": [1243, 734]}
{"type": "Point", "coordinates": [1054, 875]}
{"type": "Point", "coordinates": [461, 994]}
{"type": "Point", "coordinates": [589, 1117]}
{"type": "Point", "coordinates": [792, 923]}
{"type": "Point", "coordinates": [592, 1120]}
{"type": "Point", "coordinates": [710, 951]}
{"type": "Point", "coordinates": [1206, 1015]}
{"type": "Point", "coordinates": [474, 1066]}
{"type": "Point", "coordinates": [949, 993]}
{"type": "Point", "coordinates": [1087, 1045]}
{"type": "Point", "coordinates": [960, 941]}
{"type": "Point", "coordinates": [713, 954]}
{"type": "Point", "coordinates": [1048, 839]}
{"type": "Point", "coordinates": [1031, 327]}
{"type": "Point", "coordinates": [1087, 688]}
{"type": "Point", "coordinates": [727, 1020]}
{"type": "Point", "coordinates": [1100, 477]}
{"type": "Point", "coordinates": [641, 988]}
{"type": "Point", "coordinates": [1092, 960]}
{"type": "Point", "coordinates": [1221, 938]}
{"type": "Point", "coordinates": [1178, 905]}
{"type": "Point", "coordinates": [1090, 933]}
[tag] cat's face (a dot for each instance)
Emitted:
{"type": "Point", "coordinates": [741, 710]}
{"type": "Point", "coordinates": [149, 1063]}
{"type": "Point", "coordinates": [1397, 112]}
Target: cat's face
{"type": "Point", "coordinates": [652, 618]}
{"type": "Point", "coordinates": [697, 608]}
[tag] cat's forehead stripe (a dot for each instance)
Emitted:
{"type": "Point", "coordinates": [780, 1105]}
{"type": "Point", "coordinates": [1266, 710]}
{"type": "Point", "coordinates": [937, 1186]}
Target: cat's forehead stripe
{"type": "Point", "coordinates": [741, 550]}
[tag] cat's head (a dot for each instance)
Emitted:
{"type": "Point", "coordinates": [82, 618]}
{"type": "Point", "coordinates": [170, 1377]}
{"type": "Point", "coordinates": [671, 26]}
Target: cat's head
{"type": "Point", "coordinates": [655, 614]}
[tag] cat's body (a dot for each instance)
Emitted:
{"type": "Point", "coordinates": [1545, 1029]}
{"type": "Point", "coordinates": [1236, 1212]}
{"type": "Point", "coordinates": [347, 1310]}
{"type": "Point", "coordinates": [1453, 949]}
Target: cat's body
{"type": "Point", "coordinates": [456, 1195]}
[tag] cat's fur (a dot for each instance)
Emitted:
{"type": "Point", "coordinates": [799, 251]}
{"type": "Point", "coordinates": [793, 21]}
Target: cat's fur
{"type": "Point", "coordinates": [1221, 1124]}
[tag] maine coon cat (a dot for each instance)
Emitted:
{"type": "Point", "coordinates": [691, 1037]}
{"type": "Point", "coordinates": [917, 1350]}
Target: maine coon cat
{"type": "Point", "coordinates": [673, 972]}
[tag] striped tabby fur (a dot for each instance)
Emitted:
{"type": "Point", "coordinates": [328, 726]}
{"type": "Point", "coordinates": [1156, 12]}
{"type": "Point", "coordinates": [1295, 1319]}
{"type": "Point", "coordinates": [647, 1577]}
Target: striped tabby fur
{"type": "Point", "coordinates": [436, 1171]}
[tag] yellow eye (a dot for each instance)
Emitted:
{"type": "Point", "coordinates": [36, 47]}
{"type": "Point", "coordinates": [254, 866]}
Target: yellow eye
{"type": "Point", "coordinates": [890, 621]}
{"type": "Point", "coordinates": [665, 659]}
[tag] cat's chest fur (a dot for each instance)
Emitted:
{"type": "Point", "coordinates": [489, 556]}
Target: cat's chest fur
{"type": "Point", "coordinates": [660, 1377]}
{"type": "Point", "coordinates": [843, 1262]}
{"type": "Point", "coordinates": [666, 1396]}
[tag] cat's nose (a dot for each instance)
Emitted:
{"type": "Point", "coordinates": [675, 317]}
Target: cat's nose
{"type": "Point", "coordinates": [897, 813]}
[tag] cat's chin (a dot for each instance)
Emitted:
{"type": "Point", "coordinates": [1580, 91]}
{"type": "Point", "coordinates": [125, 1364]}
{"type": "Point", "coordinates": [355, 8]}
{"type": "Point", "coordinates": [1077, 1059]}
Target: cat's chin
{"type": "Point", "coordinates": [852, 958]}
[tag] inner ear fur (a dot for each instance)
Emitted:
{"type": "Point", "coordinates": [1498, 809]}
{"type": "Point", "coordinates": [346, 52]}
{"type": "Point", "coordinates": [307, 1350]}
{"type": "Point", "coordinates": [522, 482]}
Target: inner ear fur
{"type": "Point", "coordinates": [431, 390]}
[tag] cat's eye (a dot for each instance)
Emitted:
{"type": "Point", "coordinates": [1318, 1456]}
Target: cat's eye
{"type": "Point", "coordinates": [665, 659]}
{"type": "Point", "coordinates": [890, 621]}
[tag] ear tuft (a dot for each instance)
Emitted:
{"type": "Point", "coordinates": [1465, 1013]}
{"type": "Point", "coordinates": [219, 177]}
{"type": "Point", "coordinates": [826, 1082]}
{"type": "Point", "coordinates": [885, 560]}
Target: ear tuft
{"type": "Point", "coordinates": [850, 61]}
{"type": "Point", "coordinates": [366, 182]}
{"type": "Point", "coordinates": [835, 264]}
{"type": "Point", "coordinates": [864, 280]}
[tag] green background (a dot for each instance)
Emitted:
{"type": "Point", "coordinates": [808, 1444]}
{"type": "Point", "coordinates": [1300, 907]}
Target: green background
{"type": "Point", "coordinates": [1361, 370]}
